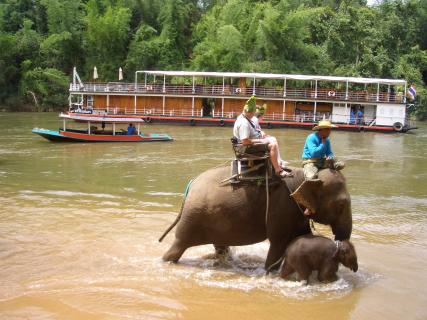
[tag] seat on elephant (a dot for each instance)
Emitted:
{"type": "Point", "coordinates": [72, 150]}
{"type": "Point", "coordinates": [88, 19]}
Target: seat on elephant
{"type": "Point", "coordinates": [251, 163]}
{"type": "Point", "coordinates": [251, 151]}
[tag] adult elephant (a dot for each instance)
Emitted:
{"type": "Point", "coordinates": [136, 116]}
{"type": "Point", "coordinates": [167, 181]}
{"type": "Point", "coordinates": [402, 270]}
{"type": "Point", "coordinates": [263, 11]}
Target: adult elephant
{"type": "Point", "coordinates": [230, 215]}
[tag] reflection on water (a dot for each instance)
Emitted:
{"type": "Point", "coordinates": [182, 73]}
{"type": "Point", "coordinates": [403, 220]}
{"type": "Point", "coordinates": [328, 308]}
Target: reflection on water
{"type": "Point", "coordinates": [80, 223]}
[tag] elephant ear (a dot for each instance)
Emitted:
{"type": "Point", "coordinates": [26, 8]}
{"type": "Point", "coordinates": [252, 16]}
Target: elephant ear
{"type": "Point", "coordinates": [307, 194]}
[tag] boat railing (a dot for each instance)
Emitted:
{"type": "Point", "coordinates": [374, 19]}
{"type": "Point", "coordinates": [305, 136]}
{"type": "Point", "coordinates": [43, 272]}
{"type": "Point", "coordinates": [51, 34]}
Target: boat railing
{"type": "Point", "coordinates": [302, 117]}
{"type": "Point", "coordinates": [327, 94]}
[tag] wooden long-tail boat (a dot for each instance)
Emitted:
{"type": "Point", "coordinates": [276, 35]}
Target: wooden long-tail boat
{"type": "Point", "coordinates": [109, 131]}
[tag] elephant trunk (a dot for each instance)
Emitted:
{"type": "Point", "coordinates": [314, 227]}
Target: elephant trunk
{"type": "Point", "coordinates": [342, 227]}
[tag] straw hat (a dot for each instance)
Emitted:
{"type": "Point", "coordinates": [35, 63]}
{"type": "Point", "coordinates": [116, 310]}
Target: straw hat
{"type": "Point", "coordinates": [250, 105]}
{"type": "Point", "coordinates": [261, 109]}
{"type": "Point", "coordinates": [324, 124]}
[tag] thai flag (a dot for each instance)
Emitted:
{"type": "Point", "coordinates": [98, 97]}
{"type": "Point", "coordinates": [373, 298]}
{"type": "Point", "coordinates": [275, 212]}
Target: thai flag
{"type": "Point", "coordinates": [412, 91]}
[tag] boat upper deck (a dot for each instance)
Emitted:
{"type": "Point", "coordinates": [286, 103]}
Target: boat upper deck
{"type": "Point", "coordinates": [241, 85]}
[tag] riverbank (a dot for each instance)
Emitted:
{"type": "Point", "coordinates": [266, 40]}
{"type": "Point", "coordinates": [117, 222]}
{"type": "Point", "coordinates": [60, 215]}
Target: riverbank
{"type": "Point", "coordinates": [30, 108]}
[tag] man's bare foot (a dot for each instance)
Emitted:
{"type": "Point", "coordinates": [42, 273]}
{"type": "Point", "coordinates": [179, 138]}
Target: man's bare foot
{"type": "Point", "coordinates": [284, 174]}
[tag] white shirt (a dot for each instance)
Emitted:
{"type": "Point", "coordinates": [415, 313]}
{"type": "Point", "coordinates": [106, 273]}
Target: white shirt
{"type": "Point", "coordinates": [244, 130]}
{"type": "Point", "coordinates": [255, 121]}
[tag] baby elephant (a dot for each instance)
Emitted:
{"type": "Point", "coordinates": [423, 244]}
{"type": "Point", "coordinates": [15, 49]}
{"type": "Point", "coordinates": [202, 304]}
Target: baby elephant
{"type": "Point", "coordinates": [308, 253]}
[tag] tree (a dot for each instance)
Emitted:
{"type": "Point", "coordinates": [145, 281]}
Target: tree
{"type": "Point", "coordinates": [144, 50]}
{"type": "Point", "coordinates": [28, 42]}
{"type": "Point", "coordinates": [225, 53]}
{"type": "Point", "coordinates": [45, 88]}
{"type": "Point", "coordinates": [105, 39]}
{"type": "Point", "coordinates": [338, 37]}
{"type": "Point", "coordinates": [14, 12]}
{"type": "Point", "coordinates": [9, 75]}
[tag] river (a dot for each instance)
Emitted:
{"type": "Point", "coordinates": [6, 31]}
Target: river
{"type": "Point", "coordinates": [79, 225]}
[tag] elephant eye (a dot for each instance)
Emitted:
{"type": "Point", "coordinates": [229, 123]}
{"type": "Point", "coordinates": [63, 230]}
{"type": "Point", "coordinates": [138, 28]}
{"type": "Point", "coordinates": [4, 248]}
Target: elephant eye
{"type": "Point", "coordinates": [341, 205]}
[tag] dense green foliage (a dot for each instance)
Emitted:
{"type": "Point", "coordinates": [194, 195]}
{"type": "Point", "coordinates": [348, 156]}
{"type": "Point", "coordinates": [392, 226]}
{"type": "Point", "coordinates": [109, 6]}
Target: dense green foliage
{"type": "Point", "coordinates": [41, 41]}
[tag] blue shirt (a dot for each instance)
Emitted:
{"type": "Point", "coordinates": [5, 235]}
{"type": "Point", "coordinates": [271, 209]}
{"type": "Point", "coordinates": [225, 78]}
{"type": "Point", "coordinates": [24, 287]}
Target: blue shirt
{"type": "Point", "coordinates": [352, 117]}
{"type": "Point", "coordinates": [131, 131]}
{"type": "Point", "coordinates": [314, 148]}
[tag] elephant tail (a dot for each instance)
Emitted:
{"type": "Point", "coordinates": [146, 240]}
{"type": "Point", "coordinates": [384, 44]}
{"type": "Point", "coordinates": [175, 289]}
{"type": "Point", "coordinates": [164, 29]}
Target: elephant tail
{"type": "Point", "coordinates": [173, 224]}
{"type": "Point", "coordinates": [179, 215]}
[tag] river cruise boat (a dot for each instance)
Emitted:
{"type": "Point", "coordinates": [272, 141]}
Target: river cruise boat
{"type": "Point", "coordinates": [217, 98]}
{"type": "Point", "coordinates": [100, 128]}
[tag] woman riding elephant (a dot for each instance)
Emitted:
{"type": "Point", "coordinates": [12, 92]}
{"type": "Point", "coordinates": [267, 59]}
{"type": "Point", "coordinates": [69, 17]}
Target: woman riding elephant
{"type": "Point", "coordinates": [230, 215]}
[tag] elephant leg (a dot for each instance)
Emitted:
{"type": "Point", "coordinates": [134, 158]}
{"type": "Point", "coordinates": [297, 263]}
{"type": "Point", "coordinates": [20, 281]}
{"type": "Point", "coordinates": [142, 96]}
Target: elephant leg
{"type": "Point", "coordinates": [222, 251]}
{"type": "Point", "coordinates": [287, 270]}
{"type": "Point", "coordinates": [175, 251]}
{"type": "Point", "coordinates": [327, 275]}
{"type": "Point", "coordinates": [275, 254]}
{"type": "Point", "coordinates": [304, 273]}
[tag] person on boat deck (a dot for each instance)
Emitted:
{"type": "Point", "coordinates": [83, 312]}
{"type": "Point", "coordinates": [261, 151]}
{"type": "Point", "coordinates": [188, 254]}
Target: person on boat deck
{"type": "Point", "coordinates": [259, 114]}
{"type": "Point", "coordinates": [352, 116]}
{"type": "Point", "coordinates": [131, 130]}
{"type": "Point", "coordinates": [317, 153]}
{"type": "Point", "coordinates": [244, 130]}
{"type": "Point", "coordinates": [360, 116]}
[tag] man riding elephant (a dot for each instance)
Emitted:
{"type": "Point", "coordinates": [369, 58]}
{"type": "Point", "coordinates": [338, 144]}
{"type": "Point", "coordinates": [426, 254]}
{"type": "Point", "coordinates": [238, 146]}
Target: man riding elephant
{"type": "Point", "coordinates": [259, 114]}
{"type": "Point", "coordinates": [317, 153]}
{"type": "Point", "coordinates": [246, 133]}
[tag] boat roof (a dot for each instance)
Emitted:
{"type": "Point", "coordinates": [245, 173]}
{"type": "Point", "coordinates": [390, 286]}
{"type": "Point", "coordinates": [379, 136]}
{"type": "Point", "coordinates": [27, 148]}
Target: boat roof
{"type": "Point", "coordinates": [98, 118]}
{"type": "Point", "coordinates": [273, 76]}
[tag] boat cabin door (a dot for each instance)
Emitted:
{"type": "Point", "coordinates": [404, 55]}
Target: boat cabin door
{"type": "Point", "coordinates": [208, 107]}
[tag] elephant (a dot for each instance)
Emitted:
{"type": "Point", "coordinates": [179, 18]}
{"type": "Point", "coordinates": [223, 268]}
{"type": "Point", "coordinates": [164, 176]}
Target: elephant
{"type": "Point", "coordinates": [308, 253]}
{"type": "Point", "coordinates": [236, 215]}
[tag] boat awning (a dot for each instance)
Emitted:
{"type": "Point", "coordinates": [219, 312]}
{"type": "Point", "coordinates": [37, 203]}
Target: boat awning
{"type": "Point", "coordinates": [273, 76]}
{"type": "Point", "coordinates": [101, 118]}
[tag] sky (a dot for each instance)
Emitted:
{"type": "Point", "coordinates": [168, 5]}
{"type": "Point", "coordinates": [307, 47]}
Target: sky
{"type": "Point", "coordinates": [371, 2]}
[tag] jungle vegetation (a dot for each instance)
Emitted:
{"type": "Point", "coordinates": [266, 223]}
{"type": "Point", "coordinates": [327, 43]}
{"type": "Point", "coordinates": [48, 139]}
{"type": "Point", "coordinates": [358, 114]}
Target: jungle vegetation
{"type": "Point", "coordinates": [41, 41]}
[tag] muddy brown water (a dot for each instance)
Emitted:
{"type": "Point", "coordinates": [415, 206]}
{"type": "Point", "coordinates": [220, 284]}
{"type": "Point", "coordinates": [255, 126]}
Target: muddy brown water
{"type": "Point", "coordinates": [79, 225]}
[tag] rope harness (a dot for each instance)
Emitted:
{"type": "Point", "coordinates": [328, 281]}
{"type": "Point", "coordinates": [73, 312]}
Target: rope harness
{"type": "Point", "coordinates": [267, 193]}
{"type": "Point", "coordinates": [338, 246]}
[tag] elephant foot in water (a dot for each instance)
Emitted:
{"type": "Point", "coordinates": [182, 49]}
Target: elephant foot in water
{"type": "Point", "coordinates": [175, 252]}
{"type": "Point", "coordinates": [222, 256]}
{"type": "Point", "coordinates": [275, 255]}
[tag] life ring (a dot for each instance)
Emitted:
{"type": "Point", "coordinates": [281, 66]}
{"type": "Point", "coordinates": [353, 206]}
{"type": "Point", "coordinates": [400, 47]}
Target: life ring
{"type": "Point", "coordinates": [192, 122]}
{"type": "Point", "coordinates": [221, 123]}
{"type": "Point", "coordinates": [269, 125]}
{"type": "Point", "coordinates": [148, 120]}
{"type": "Point", "coordinates": [331, 93]}
{"type": "Point", "coordinates": [397, 126]}
{"type": "Point", "coordinates": [238, 90]}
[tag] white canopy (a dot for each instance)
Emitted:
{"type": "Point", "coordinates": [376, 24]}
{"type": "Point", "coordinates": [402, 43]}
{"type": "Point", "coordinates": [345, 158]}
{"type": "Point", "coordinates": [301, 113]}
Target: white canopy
{"type": "Point", "coordinates": [272, 76]}
{"type": "Point", "coordinates": [101, 118]}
